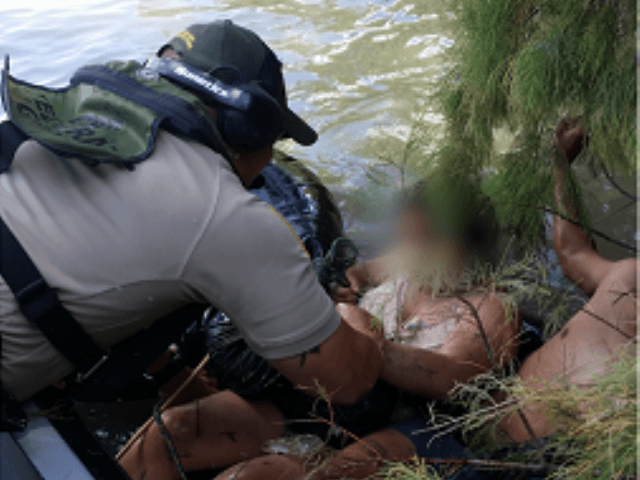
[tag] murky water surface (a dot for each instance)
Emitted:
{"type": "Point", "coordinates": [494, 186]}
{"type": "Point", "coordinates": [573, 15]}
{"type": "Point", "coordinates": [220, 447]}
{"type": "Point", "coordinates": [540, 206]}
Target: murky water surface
{"type": "Point", "coordinates": [357, 70]}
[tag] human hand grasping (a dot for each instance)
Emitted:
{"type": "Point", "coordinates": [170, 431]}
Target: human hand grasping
{"type": "Point", "coordinates": [569, 138]}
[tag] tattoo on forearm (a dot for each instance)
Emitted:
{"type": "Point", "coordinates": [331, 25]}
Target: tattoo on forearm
{"type": "Point", "coordinates": [303, 356]}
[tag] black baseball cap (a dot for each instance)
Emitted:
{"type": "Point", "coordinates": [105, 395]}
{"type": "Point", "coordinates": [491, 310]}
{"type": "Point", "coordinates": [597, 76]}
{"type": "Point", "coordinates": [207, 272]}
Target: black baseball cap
{"type": "Point", "coordinates": [224, 50]}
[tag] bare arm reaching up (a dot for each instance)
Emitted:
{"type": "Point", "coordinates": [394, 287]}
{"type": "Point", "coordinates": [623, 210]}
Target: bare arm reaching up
{"type": "Point", "coordinates": [580, 262]}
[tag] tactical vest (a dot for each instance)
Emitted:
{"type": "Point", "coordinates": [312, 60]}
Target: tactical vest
{"type": "Point", "coordinates": [107, 114]}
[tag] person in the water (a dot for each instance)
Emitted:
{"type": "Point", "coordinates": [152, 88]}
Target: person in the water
{"type": "Point", "coordinates": [581, 351]}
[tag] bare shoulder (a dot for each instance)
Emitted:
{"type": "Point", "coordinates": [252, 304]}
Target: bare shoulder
{"type": "Point", "coordinates": [468, 341]}
{"type": "Point", "coordinates": [498, 308]}
{"type": "Point", "coordinates": [492, 304]}
{"type": "Point", "coordinates": [495, 310]}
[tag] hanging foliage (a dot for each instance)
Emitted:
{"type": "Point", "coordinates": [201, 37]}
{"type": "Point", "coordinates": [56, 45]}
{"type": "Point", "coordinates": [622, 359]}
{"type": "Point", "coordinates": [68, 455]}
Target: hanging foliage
{"type": "Point", "coordinates": [522, 65]}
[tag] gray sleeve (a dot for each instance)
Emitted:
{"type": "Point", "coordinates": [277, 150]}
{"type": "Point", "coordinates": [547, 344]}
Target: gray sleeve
{"type": "Point", "coordinates": [249, 263]}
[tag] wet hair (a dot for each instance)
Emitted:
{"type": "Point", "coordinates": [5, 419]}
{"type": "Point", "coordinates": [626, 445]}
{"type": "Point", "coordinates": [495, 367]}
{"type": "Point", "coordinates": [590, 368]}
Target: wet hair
{"type": "Point", "coordinates": [459, 208]}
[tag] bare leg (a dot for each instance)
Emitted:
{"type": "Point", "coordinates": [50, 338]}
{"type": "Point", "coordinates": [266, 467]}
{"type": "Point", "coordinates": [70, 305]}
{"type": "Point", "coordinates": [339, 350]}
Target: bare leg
{"type": "Point", "coordinates": [585, 346]}
{"type": "Point", "coordinates": [201, 386]}
{"type": "Point", "coordinates": [216, 431]}
{"type": "Point", "coordinates": [359, 460]}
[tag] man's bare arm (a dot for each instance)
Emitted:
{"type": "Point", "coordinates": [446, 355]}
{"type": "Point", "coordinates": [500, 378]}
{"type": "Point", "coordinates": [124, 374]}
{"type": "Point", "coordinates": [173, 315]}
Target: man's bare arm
{"type": "Point", "coordinates": [580, 262]}
{"type": "Point", "coordinates": [345, 367]}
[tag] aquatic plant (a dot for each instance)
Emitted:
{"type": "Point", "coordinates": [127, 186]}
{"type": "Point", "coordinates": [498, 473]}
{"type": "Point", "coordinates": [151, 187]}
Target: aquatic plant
{"type": "Point", "coordinates": [596, 423]}
{"type": "Point", "coordinates": [521, 65]}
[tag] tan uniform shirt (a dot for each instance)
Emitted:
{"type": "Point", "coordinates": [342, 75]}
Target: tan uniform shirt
{"type": "Point", "coordinates": [123, 248]}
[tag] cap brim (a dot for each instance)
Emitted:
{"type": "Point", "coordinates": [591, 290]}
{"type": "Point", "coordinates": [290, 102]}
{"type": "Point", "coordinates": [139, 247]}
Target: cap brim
{"type": "Point", "coordinates": [297, 129]}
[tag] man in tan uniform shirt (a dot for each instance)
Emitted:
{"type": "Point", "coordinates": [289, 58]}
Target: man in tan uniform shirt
{"type": "Point", "coordinates": [123, 248]}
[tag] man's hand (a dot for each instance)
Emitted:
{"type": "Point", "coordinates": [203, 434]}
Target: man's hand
{"type": "Point", "coordinates": [569, 138]}
{"type": "Point", "coordinates": [345, 295]}
{"type": "Point", "coordinates": [351, 294]}
{"type": "Point", "coordinates": [363, 275]}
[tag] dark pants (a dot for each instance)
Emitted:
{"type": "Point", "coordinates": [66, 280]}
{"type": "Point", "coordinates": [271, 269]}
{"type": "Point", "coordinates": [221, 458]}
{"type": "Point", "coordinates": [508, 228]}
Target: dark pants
{"type": "Point", "coordinates": [430, 446]}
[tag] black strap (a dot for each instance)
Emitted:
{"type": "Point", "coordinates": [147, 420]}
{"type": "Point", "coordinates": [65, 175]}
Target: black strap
{"type": "Point", "coordinates": [63, 416]}
{"type": "Point", "coordinates": [37, 301]}
{"type": "Point", "coordinates": [40, 305]}
{"type": "Point", "coordinates": [10, 139]}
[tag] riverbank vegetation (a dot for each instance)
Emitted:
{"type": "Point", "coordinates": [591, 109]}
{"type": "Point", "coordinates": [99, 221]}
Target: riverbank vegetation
{"type": "Point", "coordinates": [598, 441]}
{"type": "Point", "coordinates": [517, 67]}
{"type": "Point", "coordinates": [520, 65]}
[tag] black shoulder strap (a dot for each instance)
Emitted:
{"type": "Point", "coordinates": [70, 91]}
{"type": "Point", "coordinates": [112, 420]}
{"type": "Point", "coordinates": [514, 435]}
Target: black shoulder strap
{"type": "Point", "coordinates": [11, 137]}
{"type": "Point", "coordinates": [100, 376]}
{"type": "Point", "coordinates": [41, 306]}
{"type": "Point", "coordinates": [37, 300]}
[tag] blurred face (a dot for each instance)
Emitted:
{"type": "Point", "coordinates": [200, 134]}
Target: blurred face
{"type": "Point", "coordinates": [428, 244]}
{"type": "Point", "coordinates": [418, 229]}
